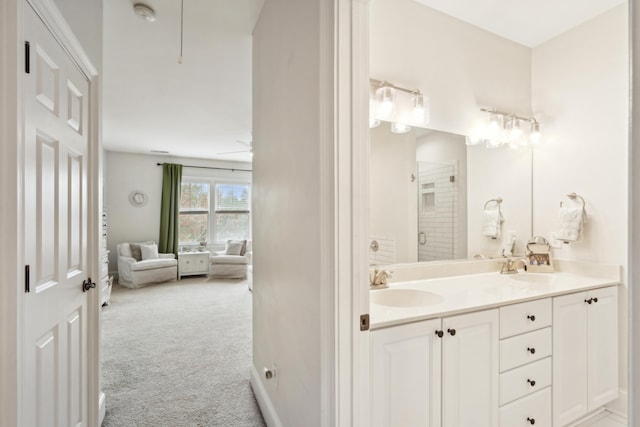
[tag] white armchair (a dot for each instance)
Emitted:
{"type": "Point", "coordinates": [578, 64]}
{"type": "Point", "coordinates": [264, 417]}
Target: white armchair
{"type": "Point", "coordinates": [139, 265]}
{"type": "Point", "coordinates": [233, 262]}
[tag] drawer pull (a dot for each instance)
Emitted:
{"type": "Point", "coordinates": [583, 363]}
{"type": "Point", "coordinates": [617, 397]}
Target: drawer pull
{"type": "Point", "coordinates": [452, 332]}
{"type": "Point", "coordinates": [531, 317]}
{"type": "Point", "coordinates": [439, 333]}
{"type": "Point", "coordinates": [532, 421]}
{"type": "Point", "coordinates": [531, 350]}
{"type": "Point", "coordinates": [532, 382]}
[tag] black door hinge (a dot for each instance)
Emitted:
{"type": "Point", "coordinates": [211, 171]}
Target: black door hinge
{"type": "Point", "coordinates": [27, 57]}
{"type": "Point", "coordinates": [27, 278]}
{"type": "Point", "coordinates": [364, 322]}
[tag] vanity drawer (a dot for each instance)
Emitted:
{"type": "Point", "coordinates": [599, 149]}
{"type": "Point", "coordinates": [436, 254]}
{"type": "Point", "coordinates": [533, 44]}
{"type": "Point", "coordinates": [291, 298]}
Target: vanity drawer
{"type": "Point", "coordinates": [528, 316]}
{"type": "Point", "coordinates": [525, 380]}
{"type": "Point", "coordinates": [526, 348]}
{"type": "Point", "coordinates": [530, 410]}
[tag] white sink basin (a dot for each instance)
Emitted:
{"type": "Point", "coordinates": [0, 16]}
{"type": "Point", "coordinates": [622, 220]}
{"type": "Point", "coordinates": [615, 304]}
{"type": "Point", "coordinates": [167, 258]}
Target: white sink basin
{"type": "Point", "coordinates": [404, 298]}
{"type": "Point", "coordinates": [533, 278]}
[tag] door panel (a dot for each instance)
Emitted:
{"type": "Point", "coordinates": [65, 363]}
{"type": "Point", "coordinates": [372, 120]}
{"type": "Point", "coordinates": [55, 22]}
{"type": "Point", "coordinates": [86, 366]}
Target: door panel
{"type": "Point", "coordinates": [55, 223]}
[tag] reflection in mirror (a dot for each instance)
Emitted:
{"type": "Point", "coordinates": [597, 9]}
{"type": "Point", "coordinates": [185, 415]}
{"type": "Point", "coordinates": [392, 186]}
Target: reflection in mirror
{"type": "Point", "coordinates": [428, 192]}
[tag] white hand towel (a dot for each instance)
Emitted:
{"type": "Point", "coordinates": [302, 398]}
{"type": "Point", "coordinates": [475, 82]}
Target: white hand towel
{"type": "Point", "coordinates": [570, 220]}
{"type": "Point", "coordinates": [491, 223]}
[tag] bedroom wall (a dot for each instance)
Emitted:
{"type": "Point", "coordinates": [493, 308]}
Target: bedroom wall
{"type": "Point", "coordinates": [126, 172]}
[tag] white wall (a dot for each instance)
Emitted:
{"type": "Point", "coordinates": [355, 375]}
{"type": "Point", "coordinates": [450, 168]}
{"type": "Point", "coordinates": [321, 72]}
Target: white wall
{"type": "Point", "coordinates": [581, 92]}
{"type": "Point", "coordinates": [392, 195]}
{"type": "Point", "coordinates": [458, 66]}
{"type": "Point", "coordinates": [85, 19]}
{"type": "Point", "coordinates": [288, 230]}
{"type": "Point", "coordinates": [126, 172]}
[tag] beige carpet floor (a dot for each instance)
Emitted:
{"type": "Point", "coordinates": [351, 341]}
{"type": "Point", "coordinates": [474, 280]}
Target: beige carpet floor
{"type": "Point", "coordinates": [178, 354]}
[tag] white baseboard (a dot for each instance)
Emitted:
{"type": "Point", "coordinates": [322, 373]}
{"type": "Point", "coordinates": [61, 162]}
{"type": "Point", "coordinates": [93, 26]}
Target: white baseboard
{"type": "Point", "coordinates": [102, 407]}
{"type": "Point", "coordinates": [620, 406]}
{"type": "Point", "coordinates": [268, 410]}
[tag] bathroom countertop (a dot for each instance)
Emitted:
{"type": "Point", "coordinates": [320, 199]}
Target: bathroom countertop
{"type": "Point", "coordinates": [461, 294]}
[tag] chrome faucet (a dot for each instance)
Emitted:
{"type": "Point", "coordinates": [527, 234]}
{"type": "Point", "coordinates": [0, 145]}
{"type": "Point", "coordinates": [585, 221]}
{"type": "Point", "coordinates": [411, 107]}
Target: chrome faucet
{"type": "Point", "coordinates": [378, 278]}
{"type": "Point", "coordinates": [511, 266]}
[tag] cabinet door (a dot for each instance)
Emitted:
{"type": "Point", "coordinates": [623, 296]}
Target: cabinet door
{"type": "Point", "coordinates": [569, 358]}
{"type": "Point", "coordinates": [470, 370]}
{"type": "Point", "coordinates": [602, 351]}
{"type": "Point", "coordinates": [405, 375]}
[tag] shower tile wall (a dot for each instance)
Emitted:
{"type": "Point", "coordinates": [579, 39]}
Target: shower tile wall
{"type": "Point", "coordinates": [437, 215]}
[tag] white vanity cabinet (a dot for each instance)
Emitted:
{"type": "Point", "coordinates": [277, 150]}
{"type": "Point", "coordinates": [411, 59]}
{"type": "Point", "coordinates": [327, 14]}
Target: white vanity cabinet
{"type": "Point", "coordinates": [525, 363]}
{"type": "Point", "coordinates": [405, 375]}
{"type": "Point", "coordinates": [585, 360]}
{"type": "Point", "coordinates": [436, 372]}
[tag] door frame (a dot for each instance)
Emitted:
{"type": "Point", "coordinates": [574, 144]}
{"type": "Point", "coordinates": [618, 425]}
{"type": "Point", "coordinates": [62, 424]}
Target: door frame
{"type": "Point", "coordinates": [11, 224]}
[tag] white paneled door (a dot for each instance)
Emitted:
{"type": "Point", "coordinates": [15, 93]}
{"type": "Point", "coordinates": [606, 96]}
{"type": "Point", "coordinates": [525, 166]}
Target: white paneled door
{"type": "Point", "coordinates": [55, 223]}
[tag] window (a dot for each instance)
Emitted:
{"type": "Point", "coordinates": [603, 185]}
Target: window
{"type": "Point", "coordinates": [194, 211]}
{"type": "Point", "coordinates": [232, 215]}
{"type": "Point", "coordinates": [214, 211]}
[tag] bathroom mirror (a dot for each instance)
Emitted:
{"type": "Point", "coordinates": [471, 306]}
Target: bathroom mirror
{"type": "Point", "coordinates": [427, 194]}
{"type": "Point", "coordinates": [462, 70]}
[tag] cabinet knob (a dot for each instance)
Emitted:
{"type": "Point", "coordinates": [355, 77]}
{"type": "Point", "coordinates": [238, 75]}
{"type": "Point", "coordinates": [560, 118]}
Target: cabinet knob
{"type": "Point", "coordinates": [439, 333]}
{"type": "Point", "coordinates": [589, 301]}
{"type": "Point", "coordinates": [531, 382]}
{"type": "Point", "coordinates": [452, 332]}
{"type": "Point", "coordinates": [532, 421]}
{"type": "Point", "coordinates": [531, 317]}
{"type": "Point", "coordinates": [595, 299]}
{"type": "Point", "coordinates": [531, 350]}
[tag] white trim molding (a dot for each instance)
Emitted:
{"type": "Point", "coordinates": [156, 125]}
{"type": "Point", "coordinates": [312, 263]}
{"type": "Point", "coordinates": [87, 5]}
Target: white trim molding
{"type": "Point", "coordinates": [352, 198]}
{"type": "Point", "coordinates": [269, 412]}
{"type": "Point", "coordinates": [55, 22]}
{"type": "Point", "coordinates": [11, 119]}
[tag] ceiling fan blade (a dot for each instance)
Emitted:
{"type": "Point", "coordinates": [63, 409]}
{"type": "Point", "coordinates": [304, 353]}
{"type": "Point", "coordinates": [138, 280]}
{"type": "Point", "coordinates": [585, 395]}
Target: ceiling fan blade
{"type": "Point", "coordinates": [232, 152]}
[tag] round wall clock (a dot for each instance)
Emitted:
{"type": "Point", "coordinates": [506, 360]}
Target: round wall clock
{"type": "Point", "coordinates": [138, 198]}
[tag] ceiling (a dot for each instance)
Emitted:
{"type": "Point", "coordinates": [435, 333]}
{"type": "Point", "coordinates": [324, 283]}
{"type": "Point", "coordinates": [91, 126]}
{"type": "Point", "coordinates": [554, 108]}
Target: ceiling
{"type": "Point", "coordinates": [199, 108]}
{"type": "Point", "coordinates": [202, 107]}
{"type": "Point", "coordinates": [524, 21]}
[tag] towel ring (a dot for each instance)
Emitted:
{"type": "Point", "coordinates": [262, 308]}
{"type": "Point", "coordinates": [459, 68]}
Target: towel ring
{"type": "Point", "coordinates": [574, 196]}
{"type": "Point", "coordinates": [498, 201]}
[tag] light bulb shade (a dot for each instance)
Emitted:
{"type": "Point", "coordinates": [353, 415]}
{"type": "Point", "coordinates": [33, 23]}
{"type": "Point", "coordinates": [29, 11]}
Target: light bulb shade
{"type": "Point", "coordinates": [534, 136]}
{"type": "Point", "coordinates": [420, 109]}
{"type": "Point", "coordinates": [385, 96]}
{"type": "Point", "coordinates": [515, 132]}
{"type": "Point", "coordinates": [374, 122]}
{"type": "Point", "coordinates": [397, 127]}
{"type": "Point", "coordinates": [494, 127]}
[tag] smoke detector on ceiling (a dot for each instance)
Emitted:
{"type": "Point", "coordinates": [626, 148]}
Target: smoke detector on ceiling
{"type": "Point", "coordinates": [144, 12]}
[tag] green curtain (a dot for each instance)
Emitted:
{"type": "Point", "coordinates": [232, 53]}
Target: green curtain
{"type": "Point", "coordinates": [170, 208]}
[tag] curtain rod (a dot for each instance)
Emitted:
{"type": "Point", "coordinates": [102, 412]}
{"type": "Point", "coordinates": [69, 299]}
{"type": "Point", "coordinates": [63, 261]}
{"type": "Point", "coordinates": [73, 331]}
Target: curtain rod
{"type": "Point", "coordinates": [211, 167]}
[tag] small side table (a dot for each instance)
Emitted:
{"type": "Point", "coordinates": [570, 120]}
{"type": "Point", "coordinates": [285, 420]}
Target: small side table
{"type": "Point", "coordinates": [193, 263]}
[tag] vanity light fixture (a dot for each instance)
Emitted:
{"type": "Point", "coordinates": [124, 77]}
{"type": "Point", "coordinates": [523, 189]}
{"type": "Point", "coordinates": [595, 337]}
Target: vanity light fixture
{"type": "Point", "coordinates": [145, 12]}
{"type": "Point", "coordinates": [402, 107]}
{"type": "Point", "coordinates": [503, 128]}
